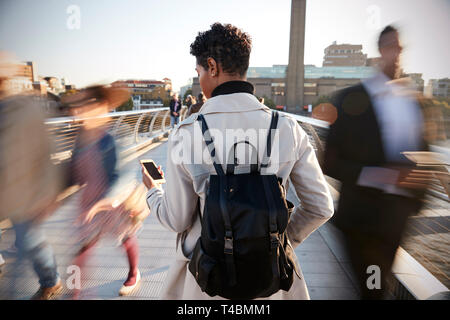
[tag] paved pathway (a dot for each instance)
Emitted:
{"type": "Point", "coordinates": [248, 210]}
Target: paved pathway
{"type": "Point", "coordinates": [323, 263]}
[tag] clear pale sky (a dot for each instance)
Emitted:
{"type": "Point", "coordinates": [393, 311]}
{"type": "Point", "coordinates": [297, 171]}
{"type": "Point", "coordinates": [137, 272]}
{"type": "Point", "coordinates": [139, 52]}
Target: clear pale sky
{"type": "Point", "coordinates": [149, 39]}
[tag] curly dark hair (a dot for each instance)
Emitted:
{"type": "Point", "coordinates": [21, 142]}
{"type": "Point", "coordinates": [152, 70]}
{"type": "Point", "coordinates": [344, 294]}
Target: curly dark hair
{"type": "Point", "coordinates": [226, 44]}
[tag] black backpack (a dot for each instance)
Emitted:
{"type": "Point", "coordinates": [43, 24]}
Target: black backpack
{"type": "Point", "coordinates": [243, 251]}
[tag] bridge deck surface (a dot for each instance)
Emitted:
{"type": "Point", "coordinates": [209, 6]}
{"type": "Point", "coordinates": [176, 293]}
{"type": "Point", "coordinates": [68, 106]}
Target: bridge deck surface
{"type": "Point", "coordinates": [321, 257]}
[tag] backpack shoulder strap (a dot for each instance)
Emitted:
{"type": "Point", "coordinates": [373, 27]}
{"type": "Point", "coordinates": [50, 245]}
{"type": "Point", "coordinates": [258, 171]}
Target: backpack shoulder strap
{"type": "Point", "coordinates": [228, 241]}
{"type": "Point", "coordinates": [270, 135]}
{"type": "Point", "coordinates": [210, 144]}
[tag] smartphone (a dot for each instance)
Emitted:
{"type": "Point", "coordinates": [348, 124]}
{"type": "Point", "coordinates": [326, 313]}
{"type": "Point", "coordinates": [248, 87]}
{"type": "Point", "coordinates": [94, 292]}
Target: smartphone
{"type": "Point", "coordinates": [152, 169]}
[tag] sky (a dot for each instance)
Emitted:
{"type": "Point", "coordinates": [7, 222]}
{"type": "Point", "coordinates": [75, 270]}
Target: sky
{"type": "Point", "coordinates": [100, 41]}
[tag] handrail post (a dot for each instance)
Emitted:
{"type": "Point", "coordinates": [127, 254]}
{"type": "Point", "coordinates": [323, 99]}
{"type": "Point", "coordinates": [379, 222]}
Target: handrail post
{"type": "Point", "coordinates": [163, 125]}
{"type": "Point", "coordinates": [117, 125]}
{"type": "Point", "coordinates": [152, 123]}
{"type": "Point", "coordinates": [317, 141]}
{"type": "Point", "coordinates": [136, 127]}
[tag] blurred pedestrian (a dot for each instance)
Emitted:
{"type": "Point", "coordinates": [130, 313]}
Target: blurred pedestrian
{"type": "Point", "coordinates": [175, 108]}
{"type": "Point", "coordinates": [190, 100]}
{"type": "Point", "coordinates": [377, 120]}
{"type": "Point", "coordinates": [2, 261]}
{"type": "Point", "coordinates": [196, 107]}
{"type": "Point", "coordinates": [93, 166]}
{"type": "Point", "coordinates": [29, 181]}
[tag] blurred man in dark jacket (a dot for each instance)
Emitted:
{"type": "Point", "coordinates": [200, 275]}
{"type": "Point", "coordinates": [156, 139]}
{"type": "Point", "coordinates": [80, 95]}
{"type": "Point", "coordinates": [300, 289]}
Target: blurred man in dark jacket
{"type": "Point", "coordinates": [175, 108]}
{"type": "Point", "coordinates": [377, 121]}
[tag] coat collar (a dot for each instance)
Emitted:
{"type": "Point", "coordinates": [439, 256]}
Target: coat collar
{"type": "Point", "coordinates": [233, 102]}
{"type": "Point", "coordinates": [230, 87]}
{"type": "Point", "coordinates": [232, 96]}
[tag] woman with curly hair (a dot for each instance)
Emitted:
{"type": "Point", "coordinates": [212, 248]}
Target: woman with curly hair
{"type": "Point", "coordinates": [222, 55]}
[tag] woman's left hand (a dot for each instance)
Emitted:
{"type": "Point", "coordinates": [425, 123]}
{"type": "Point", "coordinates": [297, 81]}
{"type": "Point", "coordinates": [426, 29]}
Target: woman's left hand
{"type": "Point", "coordinates": [148, 181]}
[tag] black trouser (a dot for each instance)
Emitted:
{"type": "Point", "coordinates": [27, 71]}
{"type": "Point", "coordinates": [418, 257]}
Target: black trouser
{"type": "Point", "coordinates": [378, 248]}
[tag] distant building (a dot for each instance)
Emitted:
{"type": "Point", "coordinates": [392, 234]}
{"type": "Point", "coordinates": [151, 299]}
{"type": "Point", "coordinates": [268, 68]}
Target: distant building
{"type": "Point", "coordinates": [439, 87]}
{"type": "Point", "coordinates": [147, 94]}
{"type": "Point", "coordinates": [18, 85]}
{"type": "Point", "coordinates": [417, 81]}
{"type": "Point", "coordinates": [340, 55]}
{"type": "Point", "coordinates": [24, 78]}
{"type": "Point", "coordinates": [40, 87]}
{"type": "Point", "coordinates": [270, 82]}
{"type": "Point", "coordinates": [168, 84]}
{"type": "Point", "coordinates": [373, 62]}
{"type": "Point", "coordinates": [184, 89]}
{"type": "Point", "coordinates": [27, 70]}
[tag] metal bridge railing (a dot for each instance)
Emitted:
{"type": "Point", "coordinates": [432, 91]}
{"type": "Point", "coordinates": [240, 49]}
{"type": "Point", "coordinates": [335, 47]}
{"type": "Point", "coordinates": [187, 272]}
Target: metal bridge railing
{"type": "Point", "coordinates": [315, 129]}
{"type": "Point", "coordinates": [129, 129]}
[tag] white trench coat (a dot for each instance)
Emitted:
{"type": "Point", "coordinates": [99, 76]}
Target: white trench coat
{"type": "Point", "coordinates": [187, 180]}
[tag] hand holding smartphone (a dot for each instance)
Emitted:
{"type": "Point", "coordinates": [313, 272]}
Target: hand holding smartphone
{"type": "Point", "coordinates": [152, 175]}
